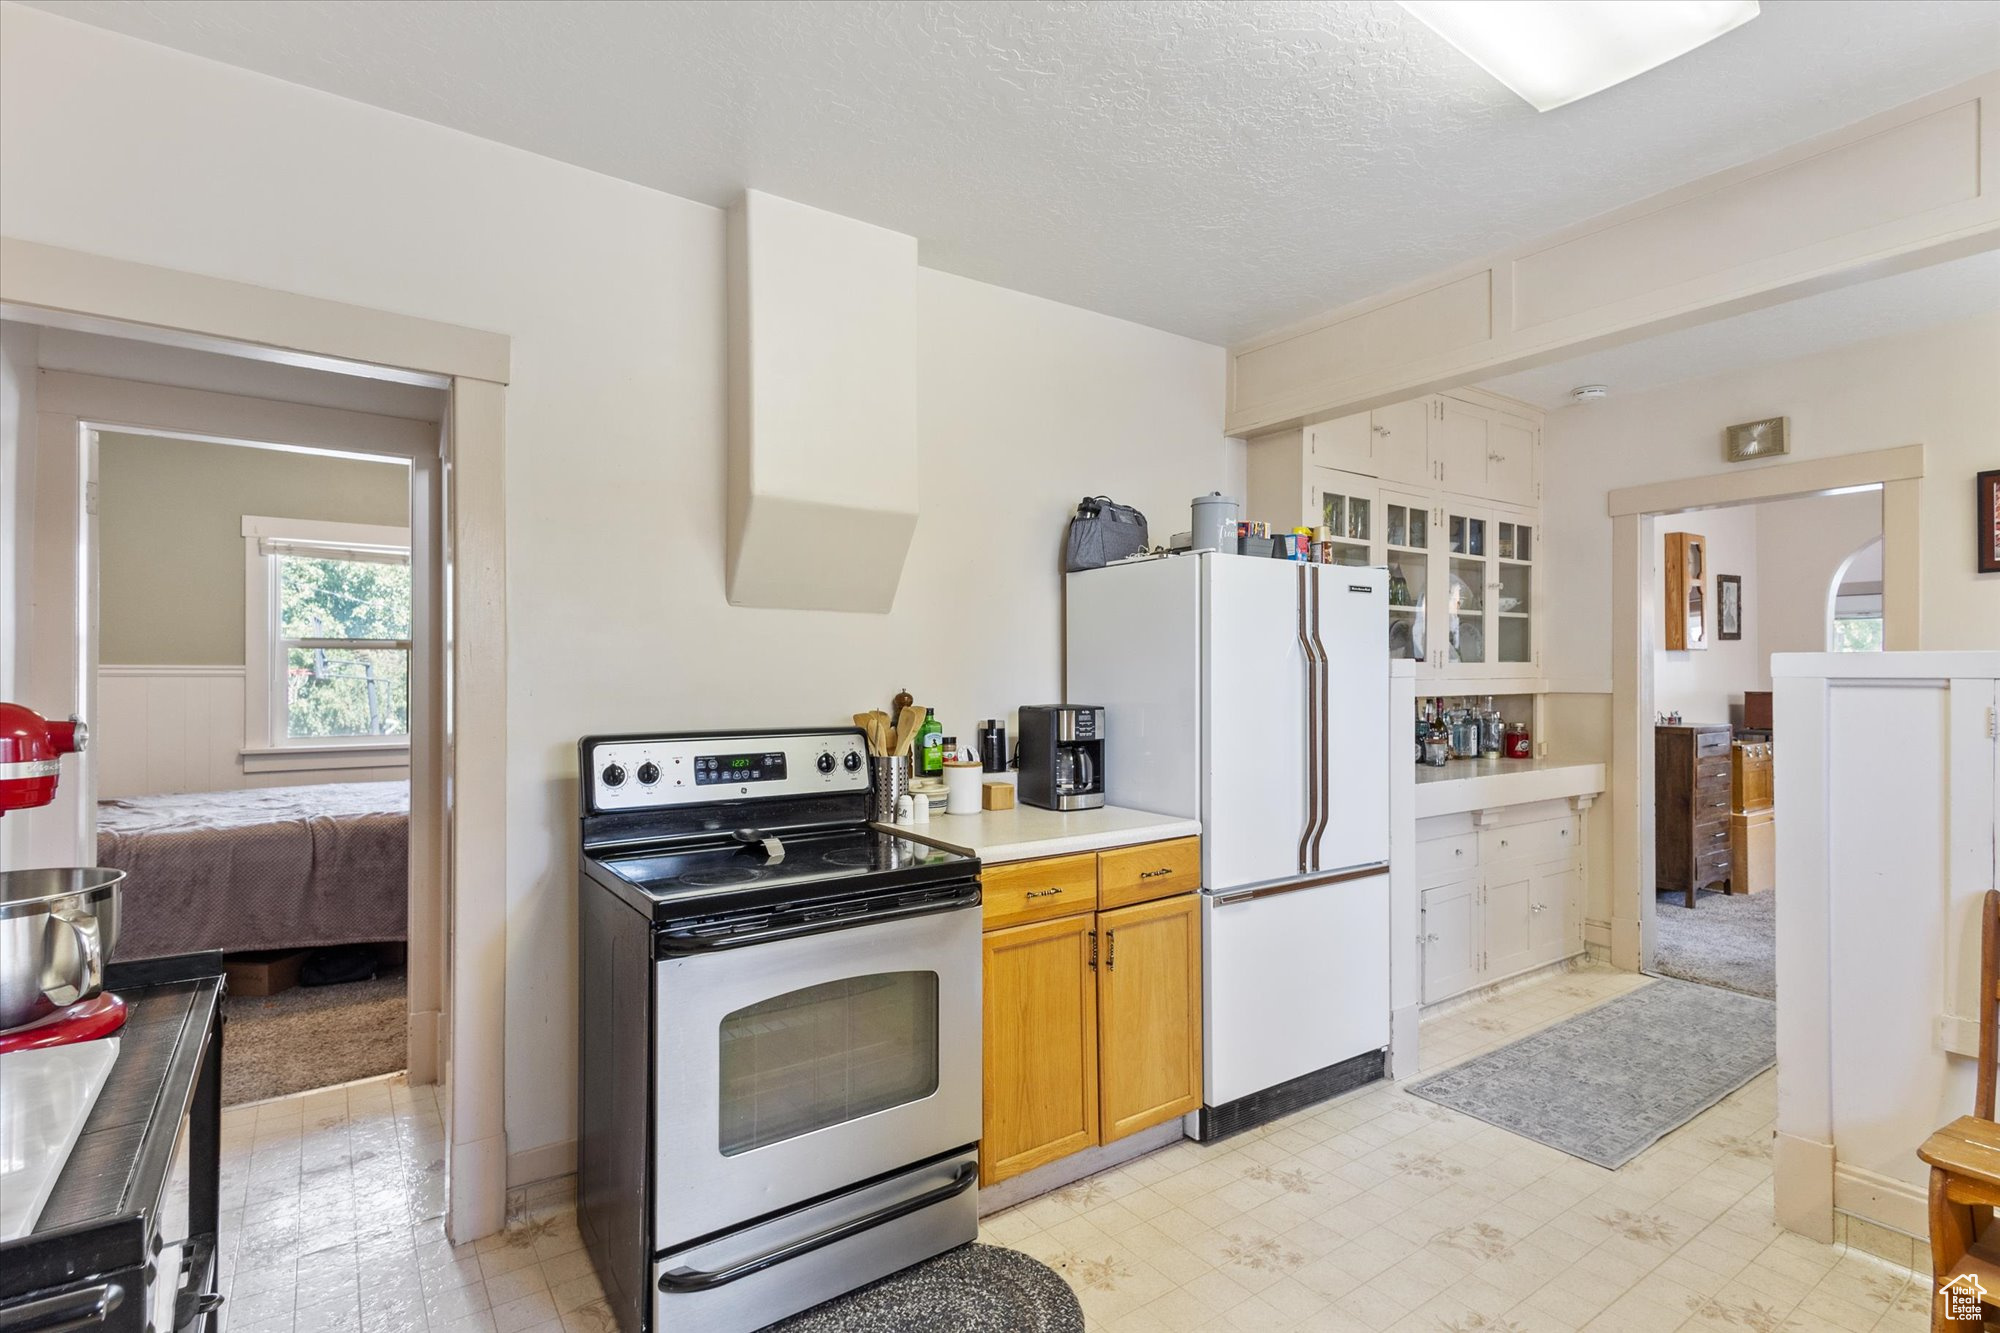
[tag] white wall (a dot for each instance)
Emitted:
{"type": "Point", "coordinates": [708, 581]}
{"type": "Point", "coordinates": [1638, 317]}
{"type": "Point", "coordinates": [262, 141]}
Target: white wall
{"type": "Point", "coordinates": [1703, 683]}
{"type": "Point", "coordinates": [613, 296]}
{"type": "Point", "coordinates": [1939, 388]}
{"type": "Point", "coordinates": [1801, 545]}
{"type": "Point", "coordinates": [18, 345]}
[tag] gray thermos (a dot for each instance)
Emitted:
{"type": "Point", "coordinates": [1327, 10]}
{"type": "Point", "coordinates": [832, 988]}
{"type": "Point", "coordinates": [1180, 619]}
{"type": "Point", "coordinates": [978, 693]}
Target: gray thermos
{"type": "Point", "coordinates": [1214, 525]}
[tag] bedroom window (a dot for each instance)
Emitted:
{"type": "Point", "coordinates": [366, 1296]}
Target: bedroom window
{"type": "Point", "coordinates": [327, 639]}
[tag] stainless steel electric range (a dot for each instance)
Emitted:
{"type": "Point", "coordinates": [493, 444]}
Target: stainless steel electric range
{"type": "Point", "coordinates": [779, 1064]}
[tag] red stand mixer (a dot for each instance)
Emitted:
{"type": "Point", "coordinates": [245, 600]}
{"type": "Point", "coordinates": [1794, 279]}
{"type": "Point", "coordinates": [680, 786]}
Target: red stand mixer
{"type": "Point", "coordinates": [57, 926]}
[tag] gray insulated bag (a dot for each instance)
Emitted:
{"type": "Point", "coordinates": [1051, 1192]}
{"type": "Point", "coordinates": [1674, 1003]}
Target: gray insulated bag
{"type": "Point", "coordinates": [1103, 531]}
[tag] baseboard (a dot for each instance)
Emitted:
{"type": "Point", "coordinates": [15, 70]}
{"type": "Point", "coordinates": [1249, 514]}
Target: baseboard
{"type": "Point", "coordinates": [1068, 1170]}
{"type": "Point", "coordinates": [1802, 1186]}
{"type": "Point", "coordinates": [1405, 1041]}
{"type": "Point", "coordinates": [423, 1046]}
{"type": "Point", "coordinates": [543, 1163]}
{"type": "Point", "coordinates": [1881, 1199]}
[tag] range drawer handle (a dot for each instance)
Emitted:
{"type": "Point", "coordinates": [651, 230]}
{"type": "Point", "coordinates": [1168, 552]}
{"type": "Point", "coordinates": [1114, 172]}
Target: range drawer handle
{"type": "Point", "coordinates": [689, 1279]}
{"type": "Point", "coordinates": [1043, 893]}
{"type": "Point", "coordinates": [69, 1311]}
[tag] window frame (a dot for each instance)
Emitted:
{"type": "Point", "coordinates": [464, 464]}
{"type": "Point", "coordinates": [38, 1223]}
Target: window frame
{"type": "Point", "coordinates": [267, 744]}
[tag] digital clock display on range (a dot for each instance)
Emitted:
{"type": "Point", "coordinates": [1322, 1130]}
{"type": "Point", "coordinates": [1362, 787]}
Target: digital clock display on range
{"type": "Point", "coordinates": [709, 768]}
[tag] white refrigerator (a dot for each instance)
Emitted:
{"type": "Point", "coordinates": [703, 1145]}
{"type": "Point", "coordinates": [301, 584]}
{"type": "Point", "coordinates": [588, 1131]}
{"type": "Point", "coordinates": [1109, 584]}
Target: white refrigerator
{"type": "Point", "coordinates": [1253, 694]}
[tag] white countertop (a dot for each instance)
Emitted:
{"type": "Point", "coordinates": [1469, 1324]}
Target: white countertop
{"type": "Point", "coordinates": [45, 1096]}
{"type": "Point", "coordinates": [1027, 832]}
{"type": "Point", "coordinates": [1479, 784]}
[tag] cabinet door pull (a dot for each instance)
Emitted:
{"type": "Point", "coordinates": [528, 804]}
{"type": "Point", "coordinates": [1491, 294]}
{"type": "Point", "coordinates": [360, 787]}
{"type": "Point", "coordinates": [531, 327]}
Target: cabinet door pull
{"type": "Point", "coordinates": [1110, 949]}
{"type": "Point", "coordinates": [1093, 951]}
{"type": "Point", "coordinates": [1043, 893]}
{"type": "Point", "coordinates": [1156, 874]}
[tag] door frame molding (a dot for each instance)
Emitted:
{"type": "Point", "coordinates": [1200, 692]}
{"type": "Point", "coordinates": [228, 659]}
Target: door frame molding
{"type": "Point", "coordinates": [51, 286]}
{"type": "Point", "coordinates": [1635, 609]}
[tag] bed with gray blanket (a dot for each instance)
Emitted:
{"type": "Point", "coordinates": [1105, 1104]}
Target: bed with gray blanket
{"type": "Point", "coordinates": [262, 868]}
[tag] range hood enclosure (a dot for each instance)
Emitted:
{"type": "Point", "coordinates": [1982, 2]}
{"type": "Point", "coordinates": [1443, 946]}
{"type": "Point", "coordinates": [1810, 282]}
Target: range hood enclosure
{"type": "Point", "coordinates": [822, 408]}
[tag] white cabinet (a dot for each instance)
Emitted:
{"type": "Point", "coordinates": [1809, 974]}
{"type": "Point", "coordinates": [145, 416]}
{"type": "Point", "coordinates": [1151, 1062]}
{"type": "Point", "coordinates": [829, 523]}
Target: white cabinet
{"type": "Point", "coordinates": [1450, 939]}
{"type": "Point", "coordinates": [1439, 490]}
{"type": "Point", "coordinates": [1498, 899]}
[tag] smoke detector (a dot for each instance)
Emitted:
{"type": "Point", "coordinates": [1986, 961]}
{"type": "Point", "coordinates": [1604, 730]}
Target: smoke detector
{"type": "Point", "coordinates": [1589, 393]}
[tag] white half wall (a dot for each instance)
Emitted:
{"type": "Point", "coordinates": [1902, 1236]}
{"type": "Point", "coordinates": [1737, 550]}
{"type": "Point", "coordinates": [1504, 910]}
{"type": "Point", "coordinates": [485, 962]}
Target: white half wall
{"type": "Point", "coordinates": [613, 298]}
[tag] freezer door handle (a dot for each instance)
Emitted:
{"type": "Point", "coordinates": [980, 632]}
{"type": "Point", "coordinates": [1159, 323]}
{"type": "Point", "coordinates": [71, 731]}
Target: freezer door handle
{"type": "Point", "coordinates": [688, 1279]}
{"type": "Point", "coordinates": [1282, 887]}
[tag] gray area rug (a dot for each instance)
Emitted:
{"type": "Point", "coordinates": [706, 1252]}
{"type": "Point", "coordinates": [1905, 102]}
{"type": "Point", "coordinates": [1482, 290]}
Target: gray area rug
{"type": "Point", "coordinates": [1728, 940]}
{"type": "Point", "coordinates": [972, 1289]}
{"type": "Point", "coordinates": [1608, 1083]}
{"type": "Point", "coordinates": [313, 1037]}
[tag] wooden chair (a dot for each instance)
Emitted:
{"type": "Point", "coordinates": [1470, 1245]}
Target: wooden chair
{"type": "Point", "coordinates": [1964, 1159]}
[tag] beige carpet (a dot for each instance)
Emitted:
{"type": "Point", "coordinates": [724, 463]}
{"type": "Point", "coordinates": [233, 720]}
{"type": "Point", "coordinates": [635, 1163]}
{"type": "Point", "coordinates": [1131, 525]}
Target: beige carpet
{"type": "Point", "coordinates": [312, 1037]}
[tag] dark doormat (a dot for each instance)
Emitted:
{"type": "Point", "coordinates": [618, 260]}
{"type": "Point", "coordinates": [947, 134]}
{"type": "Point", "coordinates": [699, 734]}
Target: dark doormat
{"type": "Point", "coordinates": [1610, 1082]}
{"type": "Point", "coordinates": [972, 1289]}
{"type": "Point", "coordinates": [313, 1037]}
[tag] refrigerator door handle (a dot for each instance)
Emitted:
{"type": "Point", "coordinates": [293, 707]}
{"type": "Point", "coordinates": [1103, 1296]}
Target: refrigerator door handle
{"type": "Point", "coordinates": [1308, 845]}
{"type": "Point", "coordinates": [1324, 666]}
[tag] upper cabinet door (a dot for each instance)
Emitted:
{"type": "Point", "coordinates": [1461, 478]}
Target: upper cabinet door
{"type": "Point", "coordinates": [1346, 508]}
{"type": "Point", "coordinates": [1461, 438]}
{"type": "Point", "coordinates": [1343, 443]}
{"type": "Point", "coordinates": [1402, 447]}
{"type": "Point", "coordinates": [1510, 461]}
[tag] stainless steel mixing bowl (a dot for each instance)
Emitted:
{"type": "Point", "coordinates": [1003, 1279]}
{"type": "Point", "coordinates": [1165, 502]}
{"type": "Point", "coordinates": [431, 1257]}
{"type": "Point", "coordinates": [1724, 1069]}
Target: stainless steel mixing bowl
{"type": "Point", "coordinates": [57, 927]}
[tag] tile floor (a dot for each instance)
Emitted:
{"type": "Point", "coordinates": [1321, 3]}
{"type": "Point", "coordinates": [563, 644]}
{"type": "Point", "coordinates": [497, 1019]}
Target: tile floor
{"type": "Point", "coordinates": [1377, 1212]}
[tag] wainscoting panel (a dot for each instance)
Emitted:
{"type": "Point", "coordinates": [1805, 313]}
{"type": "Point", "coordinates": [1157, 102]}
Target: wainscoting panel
{"type": "Point", "coordinates": [164, 729]}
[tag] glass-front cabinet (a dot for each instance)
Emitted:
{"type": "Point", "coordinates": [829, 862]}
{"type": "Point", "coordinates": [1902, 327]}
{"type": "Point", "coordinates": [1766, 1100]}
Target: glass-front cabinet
{"type": "Point", "coordinates": [1406, 543]}
{"type": "Point", "coordinates": [1344, 505]}
{"type": "Point", "coordinates": [1463, 584]}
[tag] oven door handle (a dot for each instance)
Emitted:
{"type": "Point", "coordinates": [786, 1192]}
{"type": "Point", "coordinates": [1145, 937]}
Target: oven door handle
{"type": "Point", "coordinates": [687, 1279]}
{"type": "Point", "coordinates": [88, 1308]}
{"type": "Point", "coordinates": [679, 946]}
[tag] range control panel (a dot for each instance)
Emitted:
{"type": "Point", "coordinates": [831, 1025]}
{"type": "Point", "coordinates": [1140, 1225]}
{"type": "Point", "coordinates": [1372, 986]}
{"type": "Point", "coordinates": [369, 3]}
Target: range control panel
{"type": "Point", "coordinates": [653, 772]}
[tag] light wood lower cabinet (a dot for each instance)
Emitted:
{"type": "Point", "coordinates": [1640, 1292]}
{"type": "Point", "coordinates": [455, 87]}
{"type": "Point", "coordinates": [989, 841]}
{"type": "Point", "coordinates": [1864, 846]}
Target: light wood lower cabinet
{"type": "Point", "coordinates": [1041, 1045]}
{"type": "Point", "coordinates": [1149, 1014]}
{"type": "Point", "coordinates": [1092, 1020]}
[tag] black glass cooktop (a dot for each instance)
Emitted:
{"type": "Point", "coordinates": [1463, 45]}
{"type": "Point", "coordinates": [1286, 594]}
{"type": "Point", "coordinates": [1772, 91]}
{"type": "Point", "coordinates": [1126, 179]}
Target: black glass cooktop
{"type": "Point", "coordinates": [727, 873]}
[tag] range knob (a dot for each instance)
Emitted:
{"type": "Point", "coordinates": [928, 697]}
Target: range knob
{"type": "Point", "coordinates": [649, 773]}
{"type": "Point", "coordinates": [825, 763]}
{"type": "Point", "coordinates": [853, 761]}
{"type": "Point", "coordinates": [613, 775]}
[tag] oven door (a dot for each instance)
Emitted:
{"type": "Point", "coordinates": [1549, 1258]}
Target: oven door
{"type": "Point", "coordinates": [790, 1069]}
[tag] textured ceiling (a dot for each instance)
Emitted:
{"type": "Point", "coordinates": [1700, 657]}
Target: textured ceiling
{"type": "Point", "coordinates": [1216, 169]}
{"type": "Point", "coordinates": [1907, 303]}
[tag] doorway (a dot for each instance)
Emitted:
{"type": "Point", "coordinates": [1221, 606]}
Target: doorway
{"type": "Point", "coordinates": [1638, 620]}
{"type": "Point", "coordinates": [1736, 584]}
{"type": "Point", "coordinates": [457, 762]}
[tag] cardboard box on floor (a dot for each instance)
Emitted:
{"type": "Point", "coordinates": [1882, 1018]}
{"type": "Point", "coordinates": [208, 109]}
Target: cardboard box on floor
{"type": "Point", "coordinates": [265, 972]}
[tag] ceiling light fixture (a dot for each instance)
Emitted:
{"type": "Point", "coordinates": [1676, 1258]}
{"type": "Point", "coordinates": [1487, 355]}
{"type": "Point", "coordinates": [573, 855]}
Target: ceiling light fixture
{"type": "Point", "coordinates": [1553, 52]}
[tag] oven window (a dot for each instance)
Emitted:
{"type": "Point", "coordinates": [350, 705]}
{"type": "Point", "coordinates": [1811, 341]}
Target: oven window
{"type": "Point", "coordinates": [827, 1054]}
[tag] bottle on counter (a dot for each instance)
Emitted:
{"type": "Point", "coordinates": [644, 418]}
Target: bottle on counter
{"type": "Point", "coordinates": [1492, 730]}
{"type": "Point", "coordinates": [930, 745]}
{"type": "Point", "coordinates": [1437, 745]}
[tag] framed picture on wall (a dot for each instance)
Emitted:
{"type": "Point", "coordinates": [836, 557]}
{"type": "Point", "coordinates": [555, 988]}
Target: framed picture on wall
{"type": "Point", "coordinates": [1728, 606]}
{"type": "Point", "coordinates": [1989, 522]}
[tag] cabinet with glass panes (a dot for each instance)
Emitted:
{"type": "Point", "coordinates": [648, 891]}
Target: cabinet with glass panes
{"type": "Point", "coordinates": [1463, 586]}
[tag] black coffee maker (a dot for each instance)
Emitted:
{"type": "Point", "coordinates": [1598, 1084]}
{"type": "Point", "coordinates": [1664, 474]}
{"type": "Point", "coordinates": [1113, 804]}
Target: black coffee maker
{"type": "Point", "coordinates": [1062, 756]}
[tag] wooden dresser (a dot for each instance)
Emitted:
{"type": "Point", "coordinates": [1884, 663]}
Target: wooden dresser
{"type": "Point", "coordinates": [1691, 801]}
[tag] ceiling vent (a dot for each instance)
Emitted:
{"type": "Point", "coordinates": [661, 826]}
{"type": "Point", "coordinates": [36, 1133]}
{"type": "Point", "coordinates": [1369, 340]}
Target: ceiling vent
{"type": "Point", "coordinates": [822, 408]}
